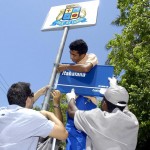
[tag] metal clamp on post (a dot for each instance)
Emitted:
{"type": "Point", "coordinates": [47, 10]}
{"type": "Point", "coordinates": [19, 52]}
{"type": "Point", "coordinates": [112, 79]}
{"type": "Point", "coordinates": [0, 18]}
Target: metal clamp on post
{"type": "Point", "coordinates": [56, 64]}
{"type": "Point", "coordinates": [47, 106]}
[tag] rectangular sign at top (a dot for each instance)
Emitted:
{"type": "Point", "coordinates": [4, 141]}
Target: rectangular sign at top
{"type": "Point", "coordinates": [72, 15]}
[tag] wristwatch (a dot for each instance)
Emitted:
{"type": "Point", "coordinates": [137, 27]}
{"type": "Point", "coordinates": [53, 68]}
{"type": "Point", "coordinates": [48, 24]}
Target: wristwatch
{"type": "Point", "coordinates": [56, 106]}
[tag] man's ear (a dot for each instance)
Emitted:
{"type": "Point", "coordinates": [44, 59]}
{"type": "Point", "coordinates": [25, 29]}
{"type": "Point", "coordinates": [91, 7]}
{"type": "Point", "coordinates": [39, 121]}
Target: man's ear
{"type": "Point", "coordinates": [28, 101]}
{"type": "Point", "coordinates": [104, 106]}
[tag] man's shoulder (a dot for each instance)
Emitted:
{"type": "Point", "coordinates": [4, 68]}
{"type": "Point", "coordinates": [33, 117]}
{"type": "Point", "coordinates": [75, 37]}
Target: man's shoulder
{"type": "Point", "coordinates": [2, 108]}
{"type": "Point", "coordinates": [29, 111]}
{"type": "Point", "coordinates": [90, 113]}
{"type": "Point", "coordinates": [91, 55]}
{"type": "Point", "coordinates": [30, 115]}
{"type": "Point", "coordinates": [92, 58]}
{"type": "Point", "coordinates": [130, 116]}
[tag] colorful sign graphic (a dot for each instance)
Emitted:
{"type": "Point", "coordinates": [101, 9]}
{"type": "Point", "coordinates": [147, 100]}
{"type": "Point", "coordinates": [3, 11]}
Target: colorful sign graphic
{"type": "Point", "coordinates": [73, 15]}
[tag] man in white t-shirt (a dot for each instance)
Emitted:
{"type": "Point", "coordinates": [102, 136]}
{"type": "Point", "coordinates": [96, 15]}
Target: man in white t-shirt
{"type": "Point", "coordinates": [83, 62]}
{"type": "Point", "coordinates": [113, 127]}
{"type": "Point", "coordinates": [21, 126]}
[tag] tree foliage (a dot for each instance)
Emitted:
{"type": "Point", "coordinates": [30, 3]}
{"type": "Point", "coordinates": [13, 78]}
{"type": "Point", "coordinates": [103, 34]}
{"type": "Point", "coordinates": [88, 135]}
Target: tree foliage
{"type": "Point", "coordinates": [130, 55]}
{"type": "Point", "coordinates": [63, 105]}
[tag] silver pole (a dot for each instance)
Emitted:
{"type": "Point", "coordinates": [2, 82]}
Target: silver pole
{"type": "Point", "coordinates": [54, 72]}
{"type": "Point", "coordinates": [53, 144]}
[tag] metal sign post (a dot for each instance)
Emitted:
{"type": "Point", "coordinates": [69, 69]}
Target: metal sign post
{"type": "Point", "coordinates": [54, 72]}
{"type": "Point", "coordinates": [53, 76]}
{"type": "Point", "coordinates": [67, 17]}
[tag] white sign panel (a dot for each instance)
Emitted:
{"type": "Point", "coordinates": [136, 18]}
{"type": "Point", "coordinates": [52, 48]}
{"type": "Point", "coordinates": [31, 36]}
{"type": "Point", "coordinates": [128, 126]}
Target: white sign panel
{"type": "Point", "coordinates": [72, 15]}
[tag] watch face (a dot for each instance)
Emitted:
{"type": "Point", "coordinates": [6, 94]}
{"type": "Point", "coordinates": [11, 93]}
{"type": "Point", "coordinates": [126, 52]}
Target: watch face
{"type": "Point", "coordinates": [56, 106]}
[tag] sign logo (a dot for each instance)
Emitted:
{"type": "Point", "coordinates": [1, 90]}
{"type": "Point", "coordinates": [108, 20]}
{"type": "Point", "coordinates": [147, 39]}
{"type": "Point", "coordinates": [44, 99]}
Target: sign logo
{"type": "Point", "coordinates": [73, 14]}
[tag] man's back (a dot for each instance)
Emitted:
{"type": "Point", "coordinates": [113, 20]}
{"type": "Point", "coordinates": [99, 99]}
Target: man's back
{"type": "Point", "coordinates": [116, 130]}
{"type": "Point", "coordinates": [21, 127]}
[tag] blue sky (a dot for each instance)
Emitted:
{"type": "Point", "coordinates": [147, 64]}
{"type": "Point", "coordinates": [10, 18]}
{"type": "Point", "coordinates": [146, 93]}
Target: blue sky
{"type": "Point", "coordinates": [27, 54]}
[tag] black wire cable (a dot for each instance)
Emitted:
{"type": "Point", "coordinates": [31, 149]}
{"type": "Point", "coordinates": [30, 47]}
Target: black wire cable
{"type": "Point", "coordinates": [3, 90]}
{"type": "Point", "coordinates": [4, 80]}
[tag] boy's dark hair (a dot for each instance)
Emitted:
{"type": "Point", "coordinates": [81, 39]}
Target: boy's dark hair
{"type": "Point", "coordinates": [80, 46]}
{"type": "Point", "coordinates": [111, 106]}
{"type": "Point", "coordinates": [18, 93]}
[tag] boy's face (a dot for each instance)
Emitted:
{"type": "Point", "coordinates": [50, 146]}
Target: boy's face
{"type": "Point", "coordinates": [75, 56]}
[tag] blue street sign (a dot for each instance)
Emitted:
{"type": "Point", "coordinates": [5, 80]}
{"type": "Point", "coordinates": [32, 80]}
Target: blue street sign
{"type": "Point", "coordinates": [87, 84]}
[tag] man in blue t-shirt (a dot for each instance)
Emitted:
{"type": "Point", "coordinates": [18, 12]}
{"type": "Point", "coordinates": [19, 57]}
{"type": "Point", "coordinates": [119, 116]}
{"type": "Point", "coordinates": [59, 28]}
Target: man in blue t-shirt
{"type": "Point", "coordinates": [84, 62]}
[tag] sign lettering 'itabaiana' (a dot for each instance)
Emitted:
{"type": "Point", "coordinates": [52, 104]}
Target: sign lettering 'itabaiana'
{"type": "Point", "coordinates": [88, 84]}
{"type": "Point", "coordinates": [72, 15]}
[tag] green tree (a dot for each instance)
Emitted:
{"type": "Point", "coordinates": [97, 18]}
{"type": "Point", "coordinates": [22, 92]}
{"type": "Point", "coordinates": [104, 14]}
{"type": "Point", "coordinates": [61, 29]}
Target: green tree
{"type": "Point", "coordinates": [64, 106]}
{"type": "Point", "coordinates": [130, 55]}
